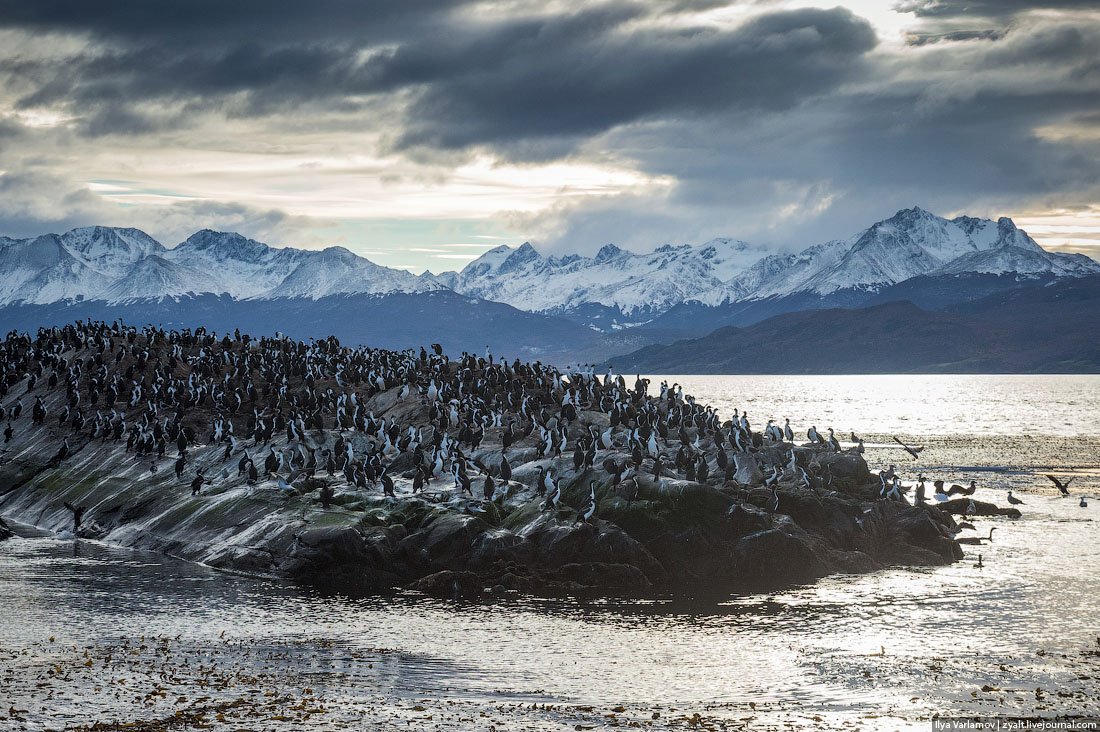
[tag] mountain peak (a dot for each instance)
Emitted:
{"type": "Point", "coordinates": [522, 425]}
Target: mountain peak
{"type": "Point", "coordinates": [224, 244]}
{"type": "Point", "coordinates": [521, 256]}
{"type": "Point", "coordinates": [916, 212]}
{"type": "Point", "coordinates": [608, 252]}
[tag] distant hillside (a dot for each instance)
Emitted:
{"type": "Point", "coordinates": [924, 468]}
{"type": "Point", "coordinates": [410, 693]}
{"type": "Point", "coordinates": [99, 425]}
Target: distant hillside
{"type": "Point", "coordinates": [394, 321]}
{"type": "Point", "coordinates": [1038, 329]}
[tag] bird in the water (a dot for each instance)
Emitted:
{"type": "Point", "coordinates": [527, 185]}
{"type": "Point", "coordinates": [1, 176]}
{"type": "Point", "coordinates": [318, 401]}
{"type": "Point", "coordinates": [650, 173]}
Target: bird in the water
{"type": "Point", "coordinates": [1084, 503]}
{"type": "Point", "coordinates": [1014, 500]}
{"type": "Point", "coordinates": [1062, 486]}
{"type": "Point", "coordinates": [978, 539]}
{"type": "Point", "coordinates": [979, 564]}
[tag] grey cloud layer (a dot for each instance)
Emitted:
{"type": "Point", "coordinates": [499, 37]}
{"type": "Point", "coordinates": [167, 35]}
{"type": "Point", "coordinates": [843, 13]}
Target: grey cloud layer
{"type": "Point", "coordinates": [484, 83]}
{"type": "Point", "coordinates": [793, 110]}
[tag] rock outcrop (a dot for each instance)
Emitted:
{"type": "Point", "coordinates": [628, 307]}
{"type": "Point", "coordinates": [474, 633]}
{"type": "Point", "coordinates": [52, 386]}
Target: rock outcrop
{"type": "Point", "coordinates": [648, 530]}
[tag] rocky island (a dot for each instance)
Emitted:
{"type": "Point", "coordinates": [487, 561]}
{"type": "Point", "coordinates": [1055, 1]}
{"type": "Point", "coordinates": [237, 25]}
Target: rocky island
{"type": "Point", "coordinates": [377, 469]}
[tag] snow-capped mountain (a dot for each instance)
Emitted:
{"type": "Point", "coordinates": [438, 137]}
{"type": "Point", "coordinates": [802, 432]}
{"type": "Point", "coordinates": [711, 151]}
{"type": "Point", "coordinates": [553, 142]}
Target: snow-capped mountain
{"type": "Point", "coordinates": [613, 290]}
{"type": "Point", "coordinates": [911, 243]}
{"type": "Point", "coordinates": [631, 283]}
{"type": "Point", "coordinates": [116, 265]}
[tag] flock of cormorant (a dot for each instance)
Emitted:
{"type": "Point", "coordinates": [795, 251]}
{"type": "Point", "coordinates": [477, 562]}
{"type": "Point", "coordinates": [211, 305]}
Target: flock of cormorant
{"type": "Point", "coordinates": [158, 390]}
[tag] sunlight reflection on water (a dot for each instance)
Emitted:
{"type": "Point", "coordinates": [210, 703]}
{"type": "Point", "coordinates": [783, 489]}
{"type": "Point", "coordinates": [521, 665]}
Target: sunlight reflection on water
{"type": "Point", "coordinates": [936, 404]}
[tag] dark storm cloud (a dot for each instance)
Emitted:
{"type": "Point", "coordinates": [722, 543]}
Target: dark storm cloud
{"type": "Point", "coordinates": [183, 22]}
{"type": "Point", "coordinates": [560, 78]}
{"type": "Point", "coordinates": [490, 83]}
{"type": "Point", "coordinates": [120, 77]}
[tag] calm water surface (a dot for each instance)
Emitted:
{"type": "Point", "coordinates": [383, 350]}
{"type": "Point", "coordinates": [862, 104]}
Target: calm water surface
{"type": "Point", "coordinates": [888, 649]}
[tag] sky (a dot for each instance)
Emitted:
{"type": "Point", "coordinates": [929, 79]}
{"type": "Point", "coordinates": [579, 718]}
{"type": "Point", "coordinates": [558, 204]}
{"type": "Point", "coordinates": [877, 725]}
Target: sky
{"type": "Point", "coordinates": [421, 133]}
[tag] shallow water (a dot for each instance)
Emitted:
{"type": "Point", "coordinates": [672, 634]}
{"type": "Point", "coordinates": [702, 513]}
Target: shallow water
{"type": "Point", "coordinates": [891, 648]}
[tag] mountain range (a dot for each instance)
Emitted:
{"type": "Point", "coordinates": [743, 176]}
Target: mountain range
{"type": "Point", "coordinates": [120, 265]}
{"type": "Point", "coordinates": [617, 289]}
{"type": "Point", "coordinates": [560, 307]}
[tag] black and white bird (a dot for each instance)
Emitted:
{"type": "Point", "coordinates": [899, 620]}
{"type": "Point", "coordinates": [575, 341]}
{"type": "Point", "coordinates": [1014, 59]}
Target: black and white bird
{"type": "Point", "coordinates": [1014, 500]}
{"type": "Point", "coordinates": [590, 508]}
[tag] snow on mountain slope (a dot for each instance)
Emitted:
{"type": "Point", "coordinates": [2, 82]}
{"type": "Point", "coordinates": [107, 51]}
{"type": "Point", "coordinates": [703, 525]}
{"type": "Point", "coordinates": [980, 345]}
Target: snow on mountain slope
{"type": "Point", "coordinates": [110, 251]}
{"type": "Point", "coordinates": [912, 242]}
{"type": "Point", "coordinates": [338, 271]}
{"type": "Point", "coordinates": [236, 265]}
{"type": "Point", "coordinates": [116, 265]}
{"type": "Point", "coordinates": [780, 274]}
{"type": "Point", "coordinates": [616, 278]}
{"type": "Point", "coordinates": [126, 264]}
{"type": "Point", "coordinates": [42, 270]}
{"type": "Point", "coordinates": [156, 277]}
{"type": "Point", "coordinates": [1021, 261]}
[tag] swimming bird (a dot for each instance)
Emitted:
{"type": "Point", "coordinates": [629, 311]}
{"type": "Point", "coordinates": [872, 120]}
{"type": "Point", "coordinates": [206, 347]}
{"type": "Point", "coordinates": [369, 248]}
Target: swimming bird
{"type": "Point", "coordinates": [978, 539]}
{"type": "Point", "coordinates": [1083, 503]}
{"type": "Point", "coordinates": [1014, 500]}
{"type": "Point", "coordinates": [1062, 486]}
